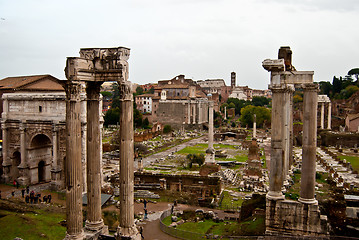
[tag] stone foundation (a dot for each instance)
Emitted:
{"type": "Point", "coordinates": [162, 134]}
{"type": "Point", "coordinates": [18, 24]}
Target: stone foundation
{"type": "Point", "coordinates": [294, 218]}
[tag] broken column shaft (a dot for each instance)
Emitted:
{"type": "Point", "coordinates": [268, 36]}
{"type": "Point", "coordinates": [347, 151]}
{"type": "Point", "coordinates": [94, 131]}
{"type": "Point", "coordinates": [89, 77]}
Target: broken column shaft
{"type": "Point", "coordinates": [74, 219]}
{"type": "Point", "coordinates": [94, 220]}
{"type": "Point", "coordinates": [310, 103]}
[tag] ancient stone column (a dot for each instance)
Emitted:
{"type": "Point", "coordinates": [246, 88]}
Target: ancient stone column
{"type": "Point", "coordinates": [22, 145]}
{"type": "Point", "coordinates": [286, 132]}
{"type": "Point", "coordinates": [225, 113]}
{"type": "Point", "coordinates": [94, 221]}
{"type": "Point", "coordinates": [210, 157]}
{"type": "Point", "coordinates": [277, 153]}
{"type": "Point", "coordinates": [322, 116]}
{"type": "Point", "coordinates": [23, 179]}
{"type": "Point", "coordinates": [310, 101]}
{"type": "Point", "coordinates": [54, 147]}
{"type": "Point", "coordinates": [254, 126]}
{"type": "Point", "coordinates": [189, 112]}
{"type": "Point", "coordinates": [127, 226]}
{"type": "Point", "coordinates": [329, 115]}
{"type": "Point", "coordinates": [210, 125]}
{"type": "Point", "coordinates": [6, 164]}
{"type": "Point", "coordinates": [194, 113]}
{"type": "Point", "coordinates": [73, 166]}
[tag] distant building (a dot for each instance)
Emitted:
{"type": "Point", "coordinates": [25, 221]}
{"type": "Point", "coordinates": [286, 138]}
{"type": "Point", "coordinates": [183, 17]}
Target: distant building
{"type": "Point", "coordinates": [352, 122]}
{"type": "Point", "coordinates": [144, 102]}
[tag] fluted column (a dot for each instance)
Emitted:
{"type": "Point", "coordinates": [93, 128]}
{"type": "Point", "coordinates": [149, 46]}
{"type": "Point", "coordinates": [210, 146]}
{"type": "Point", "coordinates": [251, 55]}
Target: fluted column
{"type": "Point", "coordinates": [73, 167]}
{"type": "Point", "coordinates": [127, 226]}
{"type": "Point", "coordinates": [329, 115]}
{"type": "Point", "coordinates": [189, 112]}
{"type": "Point", "coordinates": [194, 113]}
{"type": "Point", "coordinates": [322, 116]}
{"type": "Point", "coordinates": [307, 184]}
{"type": "Point", "coordinates": [225, 113]}
{"type": "Point", "coordinates": [94, 220]}
{"type": "Point", "coordinates": [277, 153]}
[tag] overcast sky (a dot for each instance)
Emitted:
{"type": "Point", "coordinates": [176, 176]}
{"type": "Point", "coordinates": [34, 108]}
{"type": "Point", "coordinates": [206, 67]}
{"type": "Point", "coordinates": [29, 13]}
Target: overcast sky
{"type": "Point", "coordinates": [202, 39]}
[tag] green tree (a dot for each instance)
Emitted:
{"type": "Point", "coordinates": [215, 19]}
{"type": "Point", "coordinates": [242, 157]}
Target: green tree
{"type": "Point", "coordinates": [260, 101]}
{"type": "Point", "coordinates": [145, 123]}
{"type": "Point", "coordinates": [354, 72]}
{"type": "Point", "coordinates": [167, 129]}
{"type": "Point", "coordinates": [195, 158]}
{"type": "Point", "coordinates": [106, 94]}
{"type": "Point", "coordinates": [112, 117]}
{"type": "Point", "coordinates": [151, 91]}
{"type": "Point", "coordinates": [239, 104]}
{"type": "Point", "coordinates": [348, 91]}
{"type": "Point", "coordinates": [137, 118]}
{"type": "Point", "coordinates": [326, 88]}
{"type": "Point", "coordinates": [139, 91]}
{"type": "Point", "coordinates": [247, 115]}
{"type": "Point", "coordinates": [337, 85]}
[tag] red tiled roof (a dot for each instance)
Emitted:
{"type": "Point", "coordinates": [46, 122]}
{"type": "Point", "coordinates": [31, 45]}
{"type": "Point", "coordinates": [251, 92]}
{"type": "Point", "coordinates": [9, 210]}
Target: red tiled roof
{"type": "Point", "coordinates": [35, 82]}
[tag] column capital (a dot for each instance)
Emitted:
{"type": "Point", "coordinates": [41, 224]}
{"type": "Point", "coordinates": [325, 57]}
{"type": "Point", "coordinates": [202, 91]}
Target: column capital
{"type": "Point", "coordinates": [93, 90]}
{"type": "Point", "coordinates": [310, 87]}
{"type": "Point", "coordinates": [73, 90]}
{"type": "Point", "coordinates": [22, 126]}
{"type": "Point", "coordinates": [125, 90]}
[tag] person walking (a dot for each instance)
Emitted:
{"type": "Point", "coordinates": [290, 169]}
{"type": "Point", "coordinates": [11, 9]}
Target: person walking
{"type": "Point", "coordinates": [145, 217]}
{"type": "Point", "coordinates": [141, 232]}
{"type": "Point", "coordinates": [23, 193]}
{"type": "Point", "coordinates": [27, 189]}
{"type": "Point", "coordinates": [0, 194]}
{"type": "Point", "coordinates": [49, 198]}
{"type": "Point", "coordinates": [27, 199]}
{"type": "Point", "coordinates": [144, 203]}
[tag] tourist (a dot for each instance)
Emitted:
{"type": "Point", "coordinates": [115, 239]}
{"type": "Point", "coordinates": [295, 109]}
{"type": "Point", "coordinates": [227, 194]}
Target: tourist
{"type": "Point", "coordinates": [141, 232]}
{"type": "Point", "coordinates": [36, 199]}
{"type": "Point", "coordinates": [44, 199]}
{"type": "Point", "coordinates": [22, 193]}
{"type": "Point", "coordinates": [27, 199]}
{"type": "Point", "coordinates": [17, 184]}
{"type": "Point", "coordinates": [49, 198]}
{"type": "Point", "coordinates": [145, 217]}
{"type": "Point", "coordinates": [0, 194]}
{"type": "Point", "coordinates": [144, 203]}
{"type": "Point", "coordinates": [14, 183]}
{"type": "Point", "coordinates": [173, 206]}
{"type": "Point", "coordinates": [27, 189]}
{"type": "Point", "coordinates": [32, 196]}
{"type": "Point", "coordinates": [13, 193]}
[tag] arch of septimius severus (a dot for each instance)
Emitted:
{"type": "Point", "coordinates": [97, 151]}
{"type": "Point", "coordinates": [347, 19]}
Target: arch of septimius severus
{"type": "Point", "coordinates": [93, 67]}
{"type": "Point", "coordinates": [283, 216]}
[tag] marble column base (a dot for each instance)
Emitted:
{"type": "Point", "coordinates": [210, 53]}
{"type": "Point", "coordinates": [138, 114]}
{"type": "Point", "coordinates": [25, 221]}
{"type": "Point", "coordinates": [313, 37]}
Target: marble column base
{"type": "Point", "coordinates": [130, 233]}
{"type": "Point", "coordinates": [308, 201]}
{"type": "Point", "coordinates": [79, 236]}
{"type": "Point", "coordinates": [272, 195]}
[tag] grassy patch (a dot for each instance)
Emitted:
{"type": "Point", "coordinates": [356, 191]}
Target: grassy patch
{"type": "Point", "coordinates": [31, 226]}
{"type": "Point", "coordinates": [354, 161]}
{"type": "Point", "coordinates": [228, 202]}
{"type": "Point", "coordinates": [199, 227]}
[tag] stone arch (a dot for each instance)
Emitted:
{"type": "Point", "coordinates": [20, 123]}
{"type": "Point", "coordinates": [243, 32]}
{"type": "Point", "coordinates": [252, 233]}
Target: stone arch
{"type": "Point", "coordinates": [40, 140]}
{"type": "Point", "coordinates": [40, 158]}
{"type": "Point", "coordinates": [41, 173]}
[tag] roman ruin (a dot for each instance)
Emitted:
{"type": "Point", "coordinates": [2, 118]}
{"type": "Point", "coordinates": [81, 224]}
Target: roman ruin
{"type": "Point", "coordinates": [286, 216]}
{"type": "Point", "coordinates": [92, 68]}
{"type": "Point", "coordinates": [325, 100]}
